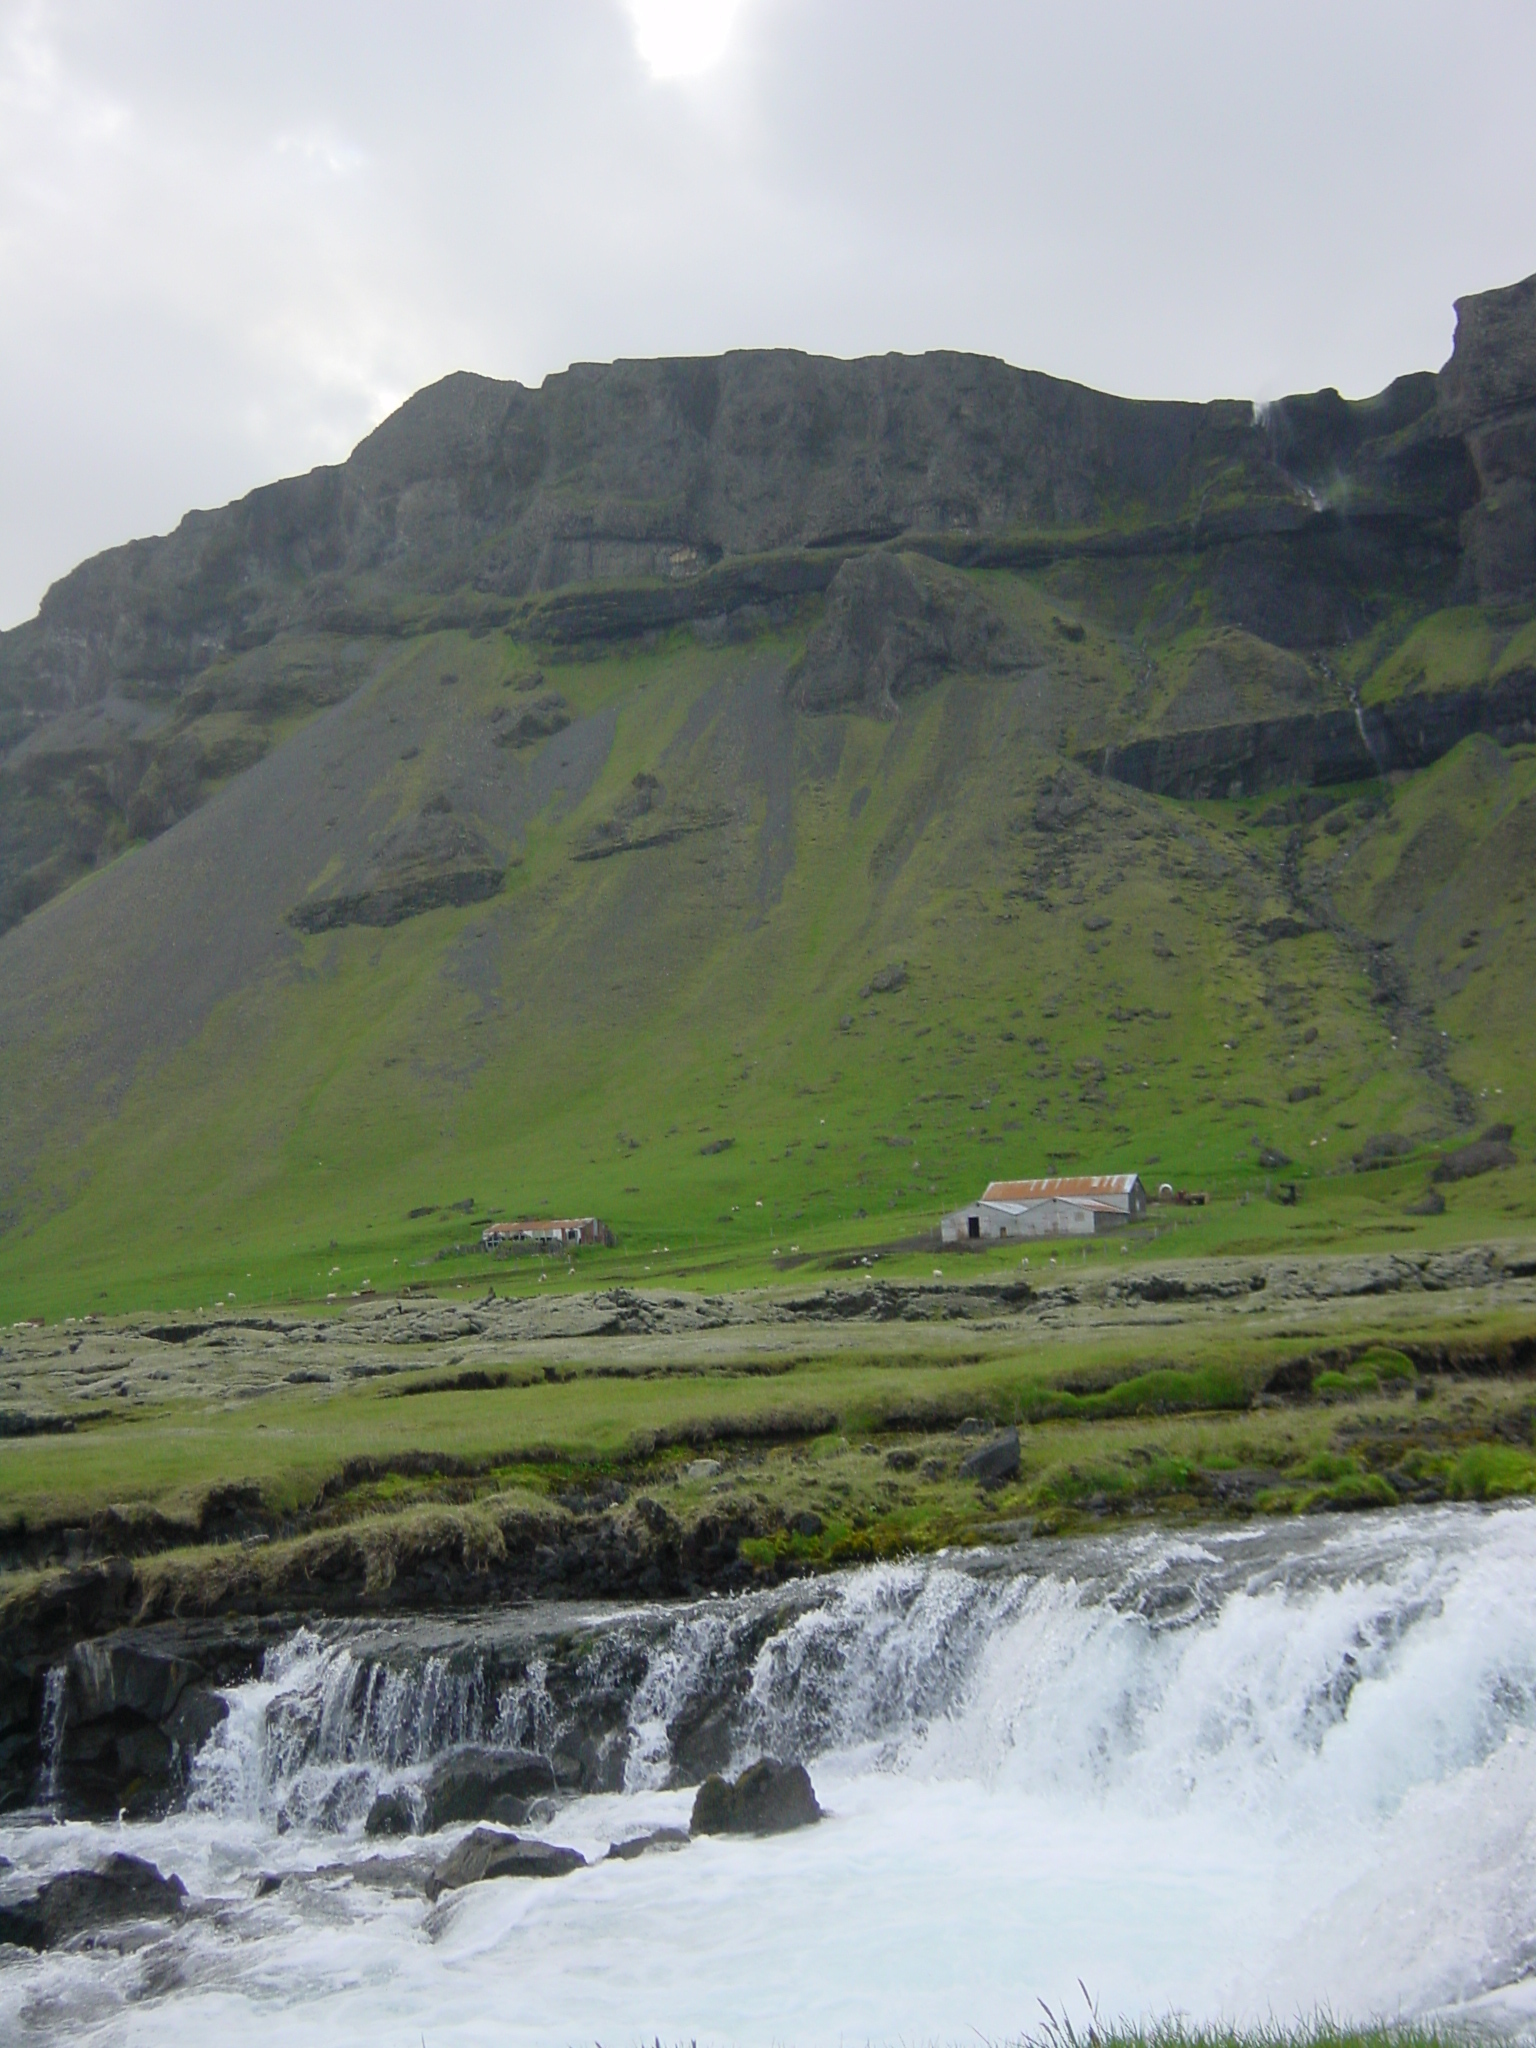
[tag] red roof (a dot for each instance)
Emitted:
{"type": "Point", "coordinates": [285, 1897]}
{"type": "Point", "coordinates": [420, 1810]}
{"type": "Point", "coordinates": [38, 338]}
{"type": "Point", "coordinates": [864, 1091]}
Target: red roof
{"type": "Point", "coordinates": [542, 1224]}
{"type": "Point", "coordinates": [1072, 1186]}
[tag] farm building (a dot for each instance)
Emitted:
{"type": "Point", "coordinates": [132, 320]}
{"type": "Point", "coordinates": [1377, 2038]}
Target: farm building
{"type": "Point", "coordinates": [1077, 1206]}
{"type": "Point", "coordinates": [545, 1233]}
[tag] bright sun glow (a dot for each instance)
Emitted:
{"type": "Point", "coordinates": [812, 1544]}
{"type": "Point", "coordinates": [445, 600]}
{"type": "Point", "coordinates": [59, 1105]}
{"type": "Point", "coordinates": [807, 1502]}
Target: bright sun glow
{"type": "Point", "coordinates": [682, 38]}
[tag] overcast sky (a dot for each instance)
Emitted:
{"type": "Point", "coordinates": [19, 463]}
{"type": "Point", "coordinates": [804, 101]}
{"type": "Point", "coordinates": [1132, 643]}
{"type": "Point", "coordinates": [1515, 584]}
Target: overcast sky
{"type": "Point", "coordinates": [233, 237]}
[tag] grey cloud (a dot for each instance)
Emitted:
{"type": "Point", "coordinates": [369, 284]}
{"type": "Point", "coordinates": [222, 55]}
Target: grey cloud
{"type": "Point", "coordinates": [230, 239]}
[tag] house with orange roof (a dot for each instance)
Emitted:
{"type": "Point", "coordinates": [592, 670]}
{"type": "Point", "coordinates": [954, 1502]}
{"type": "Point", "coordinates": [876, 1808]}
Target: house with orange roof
{"type": "Point", "coordinates": [1071, 1205]}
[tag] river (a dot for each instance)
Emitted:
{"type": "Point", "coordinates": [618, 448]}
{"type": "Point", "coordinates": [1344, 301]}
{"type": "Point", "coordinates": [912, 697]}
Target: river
{"type": "Point", "coordinates": [1239, 1773]}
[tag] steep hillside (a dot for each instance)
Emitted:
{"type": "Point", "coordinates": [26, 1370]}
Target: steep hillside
{"type": "Point", "coordinates": [757, 801]}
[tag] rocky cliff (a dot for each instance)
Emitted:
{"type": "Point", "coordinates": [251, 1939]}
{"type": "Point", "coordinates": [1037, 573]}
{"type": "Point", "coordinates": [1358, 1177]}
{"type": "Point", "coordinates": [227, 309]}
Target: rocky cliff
{"type": "Point", "coordinates": [625, 498]}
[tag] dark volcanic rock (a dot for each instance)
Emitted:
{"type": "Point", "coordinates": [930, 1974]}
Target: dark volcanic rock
{"type": "Point", "coordinates": [482, 1784]}
{"type": "Point", "coordinates": [400, 1874]}
{"type": "Point", "coordinates": [1061, 803]}
{"type": "Point", "coordinates": [393, 1813]}
{"type": "Point", "coordinates": [767, 1799]}
{"type": "Point", "coordinates": [722, 490]}
{"type": "Point", "coordinates": [1322, 747]}
{"type": "Point", "coordinates": [651, 471]}
{"type": "Point", "coordinates": [124, 1888]}
{"type": "Point", "coordinates": [1488, 395]}
{"type": "Point", "coordinates": [434, 862]}
{"type": "Point", "coordinates": [1483, 1155]}
{"type": "Point", "coordinates": [136, 1704]}
{"type": "Point", "coordinates": [893, 625]}
{"type": "Point", "coordinates": [529, 723]}
{"type": "Point", "coordinates": [489, 1852]}
{"type": "Point", "coordinates": [992, 1464]}
{"type": "Point", "coordinates": [135, 1713]}
{"type": "Point", "coordinates": [1382, 1150]}
{"type": "Point", "coordinates": [642, 1845]}
{"type": "Point", "coordinates": [394, 902]}
{"type": "Point", "coordinates": [887, 981]}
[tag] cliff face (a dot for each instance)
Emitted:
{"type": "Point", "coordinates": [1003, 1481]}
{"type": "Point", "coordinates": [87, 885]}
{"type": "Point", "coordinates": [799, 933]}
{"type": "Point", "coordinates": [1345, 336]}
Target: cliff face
{"type": "Point", "coordinates": [659, 470]}
{"type": "Point", "coordinates": [644, 471]}
{"type": "Point", "coordinates": [629, 497]}
{"type": "Point", "coordinates": [1488, 396]}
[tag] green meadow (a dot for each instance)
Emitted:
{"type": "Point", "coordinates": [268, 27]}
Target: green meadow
{"type": "Point", "coordinates": [879, 963]}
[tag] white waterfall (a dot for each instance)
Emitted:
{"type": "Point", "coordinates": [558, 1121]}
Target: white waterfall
{"type": "Point", "coordinates": [1231, 1773]}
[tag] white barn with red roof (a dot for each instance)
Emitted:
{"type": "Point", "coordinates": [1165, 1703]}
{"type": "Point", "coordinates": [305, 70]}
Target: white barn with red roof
{"type": "Point", "coordinates": [546, 1232]}
{"type": "Point", "coordinates": [1074, 1205]}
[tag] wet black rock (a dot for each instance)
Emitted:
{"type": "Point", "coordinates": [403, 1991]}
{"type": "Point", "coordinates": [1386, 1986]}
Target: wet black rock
{"type": "Point", "coordinates": [994, 1463]}
{"type": "Point", "coordinates": [121, 1890]}
{"type": "Point", "coordinates": [402, 1875]}
{"type": "Point", "coordinates": [490, 1852]}
{"type": "Point", "coordinates": [768, 1799]}
{"type": "Point", "coordinates": [642, 1845]}
{"type": "Point", "coordinates": [134, 1710]}
{"type": "Point", "coordinates": [393, 1813]}
{"type": "Point", "coordinates": [469, 1784]}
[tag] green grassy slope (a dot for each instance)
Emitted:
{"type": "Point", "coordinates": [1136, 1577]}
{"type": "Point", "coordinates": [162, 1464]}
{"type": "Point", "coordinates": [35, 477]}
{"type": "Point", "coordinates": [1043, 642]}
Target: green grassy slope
{"type": "Point", "coordinates": [686, 1038]}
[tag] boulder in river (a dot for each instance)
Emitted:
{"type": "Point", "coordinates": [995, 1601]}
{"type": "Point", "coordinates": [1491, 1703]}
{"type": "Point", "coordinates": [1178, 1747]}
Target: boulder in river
{"type": "Point", "coordinates": [124, 1888]}
{"type": "Point", "coordinates": [468, 1784]}
{"type": "Point", "coordinates": [769, 1798]}
{"type": "Point", "coordinates": [492, 1852]}
{"type": "Point", "coordinates": [393, 1813]}
{"type": "Point", "coordinates": [993, 1463]}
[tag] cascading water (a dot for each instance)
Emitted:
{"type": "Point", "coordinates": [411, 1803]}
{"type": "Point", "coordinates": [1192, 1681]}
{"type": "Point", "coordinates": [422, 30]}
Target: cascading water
{"type": "Point", "coordinates": [1238, 1773]}
{"type": "Point", "coordinates": [55, 1709]}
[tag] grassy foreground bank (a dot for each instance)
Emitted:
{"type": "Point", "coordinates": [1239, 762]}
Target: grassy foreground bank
{"type": "Point", "coordinates": [1320, 2031]}
{"type": "Point", "coordinates": [266, 1463]}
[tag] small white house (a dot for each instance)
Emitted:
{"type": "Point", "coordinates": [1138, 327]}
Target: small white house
{"type": "Point", "coordinates": [1079, 1205]}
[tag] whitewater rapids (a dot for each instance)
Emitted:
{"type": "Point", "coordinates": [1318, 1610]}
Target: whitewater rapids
{"type": "Point", "coordinates": [1229, 1774]}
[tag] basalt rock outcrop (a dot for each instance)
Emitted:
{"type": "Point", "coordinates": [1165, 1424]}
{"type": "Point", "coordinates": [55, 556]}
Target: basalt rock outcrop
{"type": "Point", "coordinates": [115, 1725]}
{"type": "Point", "coordinates": [622, 500]}
{"type": "Point", "coordinates": [1323, 747]}
{"type": "Point", "coordinates": [663, 470]}
{"type": "Point", "coordinates": [435, 860]}
{"type": "Point", "coordinates": [639, 471]}
{"type": "Point", "coordinates": [1487, 1152]}
{"type": "Point", "coordinates": [893, 625]}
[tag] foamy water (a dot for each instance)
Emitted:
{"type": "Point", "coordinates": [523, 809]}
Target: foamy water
{"type": "Point", "coordinates": [1230, 1775]}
